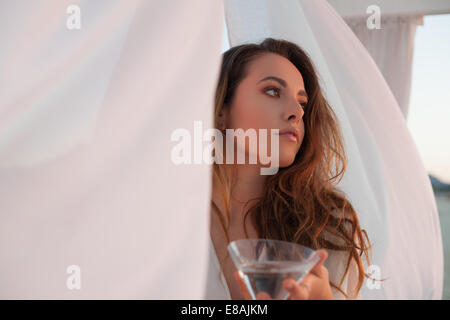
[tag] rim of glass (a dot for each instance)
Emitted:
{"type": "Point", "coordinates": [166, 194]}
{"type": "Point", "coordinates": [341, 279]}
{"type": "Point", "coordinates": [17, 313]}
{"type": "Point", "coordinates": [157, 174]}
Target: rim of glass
{"type": "Point", "coordinates": [233, 249]}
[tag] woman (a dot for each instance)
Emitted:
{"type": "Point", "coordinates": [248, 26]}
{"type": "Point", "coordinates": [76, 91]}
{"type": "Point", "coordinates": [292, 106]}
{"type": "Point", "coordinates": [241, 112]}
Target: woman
{"type": "Point", "coordinates": [273, 85]}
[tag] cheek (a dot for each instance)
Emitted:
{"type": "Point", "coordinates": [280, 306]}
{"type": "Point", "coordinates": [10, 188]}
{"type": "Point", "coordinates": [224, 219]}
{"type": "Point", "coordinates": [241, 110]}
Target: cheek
{"type": "Point", "coordinates": [251, 115]}
{"type": "Point", "coordinates": [302, 132]}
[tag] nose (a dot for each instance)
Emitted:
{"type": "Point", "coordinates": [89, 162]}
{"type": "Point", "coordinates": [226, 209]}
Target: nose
{"type": "Point", "coordinates": [294, 112]}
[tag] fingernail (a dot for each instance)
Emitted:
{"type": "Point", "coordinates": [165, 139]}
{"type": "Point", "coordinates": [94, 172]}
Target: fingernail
{"type": "Point", "coordinates": [290, 286]}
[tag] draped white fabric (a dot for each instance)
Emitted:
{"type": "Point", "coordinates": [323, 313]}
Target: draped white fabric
{"type": "Point", "coordinates": [385, 180]}
{"type": "Point", "coordinates": [392, 48]}
{"type": "Point", "coordinates": [86, 177]}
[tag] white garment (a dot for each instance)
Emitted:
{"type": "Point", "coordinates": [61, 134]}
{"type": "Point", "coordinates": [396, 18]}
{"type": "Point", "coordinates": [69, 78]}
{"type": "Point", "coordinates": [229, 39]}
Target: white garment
{"type": "Point", "coordinates": [217, 288]}
{"type": "Point", "coordinates": [335, 264]}
{"type": "Point", "coordinates": [386, 180]}
{"type": "Point", "coordinates": [86, 175]}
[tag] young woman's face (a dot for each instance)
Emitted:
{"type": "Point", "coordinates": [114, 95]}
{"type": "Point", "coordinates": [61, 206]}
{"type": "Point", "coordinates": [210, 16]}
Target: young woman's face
{"type": "Point", "coordinates": [265, 103]}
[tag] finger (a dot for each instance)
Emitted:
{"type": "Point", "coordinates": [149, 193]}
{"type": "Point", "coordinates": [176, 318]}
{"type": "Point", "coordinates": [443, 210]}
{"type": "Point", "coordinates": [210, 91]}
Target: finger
{"type": "Point", "coordinates": [242, 286]}
{"type": "Point", "coordinates": [308, 282]}
{"type": "Point", "coordinates": [318, 267]}
{"type": "Point", "coordinates": [263, 296]}
{"type": "Point", "coordinates": [297, 291]}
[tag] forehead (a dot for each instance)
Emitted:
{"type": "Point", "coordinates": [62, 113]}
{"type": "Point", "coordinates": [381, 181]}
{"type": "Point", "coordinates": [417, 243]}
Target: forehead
{"type": "Point", "coordinates": [271, 64]}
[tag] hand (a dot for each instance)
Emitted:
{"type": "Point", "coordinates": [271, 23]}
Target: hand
{"type": "Point", "coordinates": [314, 286]}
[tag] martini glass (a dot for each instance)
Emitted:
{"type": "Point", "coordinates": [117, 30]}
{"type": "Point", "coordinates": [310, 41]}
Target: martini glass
{"type": "Point", "coordinates": [265, 263]}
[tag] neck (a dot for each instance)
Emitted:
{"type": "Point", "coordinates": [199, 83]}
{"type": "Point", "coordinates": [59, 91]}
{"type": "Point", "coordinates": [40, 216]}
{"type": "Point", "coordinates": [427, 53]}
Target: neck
{"type": "Point", "coordinates": [249, 184]}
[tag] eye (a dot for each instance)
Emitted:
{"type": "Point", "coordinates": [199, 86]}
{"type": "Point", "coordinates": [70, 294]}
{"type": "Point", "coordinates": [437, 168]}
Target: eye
{"type": "Point", "coordinates": [275, 89]}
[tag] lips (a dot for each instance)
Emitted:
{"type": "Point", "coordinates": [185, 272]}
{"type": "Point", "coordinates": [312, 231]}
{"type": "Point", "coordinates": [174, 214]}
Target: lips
{"type": "Point", "coordinates": [290, 133]}
{"type": "Point", "coordinates": [290, 136]}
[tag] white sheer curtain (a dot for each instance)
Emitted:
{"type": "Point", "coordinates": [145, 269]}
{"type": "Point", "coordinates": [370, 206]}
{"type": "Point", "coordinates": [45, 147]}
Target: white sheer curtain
{"type": "Point", "coordinates": [392, 48]}
{"type": "Point", "coordinates": [86, 177]}
{"type": "Point", "coordinates": [386, 179]}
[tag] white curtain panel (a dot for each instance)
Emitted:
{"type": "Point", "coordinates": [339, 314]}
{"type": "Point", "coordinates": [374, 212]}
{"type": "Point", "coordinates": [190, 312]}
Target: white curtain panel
{"type": "Point", "coordinates": [392, 48]}
{"type": "Point", "coordinates": [91, 204]}
{"type": "Point", "coordinates": [386, 180]}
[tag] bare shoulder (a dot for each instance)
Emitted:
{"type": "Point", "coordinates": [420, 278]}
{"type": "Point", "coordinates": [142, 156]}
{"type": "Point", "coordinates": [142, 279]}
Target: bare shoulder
{"type": "Point", "coordinates": [336, 234]}
{"type": "Point", "coordinates": [343, 213]}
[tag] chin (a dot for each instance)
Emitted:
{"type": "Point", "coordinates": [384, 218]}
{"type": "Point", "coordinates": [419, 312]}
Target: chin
{"type": "Point", "coordinates": [287, 155]}
{"type": "Point", "coordinates": [286, 159]}
{"type": "Point", "coordinates": [284, 164]}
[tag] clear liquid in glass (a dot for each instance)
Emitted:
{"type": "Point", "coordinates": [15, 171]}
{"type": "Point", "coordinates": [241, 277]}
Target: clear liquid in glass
{"type": "Point", "coordinates": [268, 276]}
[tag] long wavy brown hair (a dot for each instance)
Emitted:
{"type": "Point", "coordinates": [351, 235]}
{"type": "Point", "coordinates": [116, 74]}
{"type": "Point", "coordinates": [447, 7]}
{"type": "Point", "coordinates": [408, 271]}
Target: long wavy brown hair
{"type": "Point", "coordinates": [300, 203]}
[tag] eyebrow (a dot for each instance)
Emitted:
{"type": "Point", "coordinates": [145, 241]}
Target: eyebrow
{"type": "Point", "coordinates": [284, 84]}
